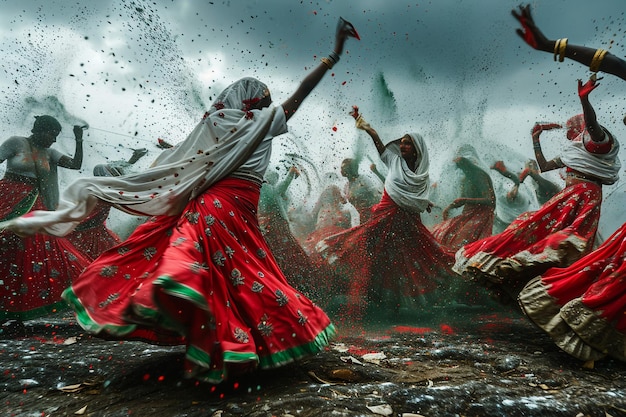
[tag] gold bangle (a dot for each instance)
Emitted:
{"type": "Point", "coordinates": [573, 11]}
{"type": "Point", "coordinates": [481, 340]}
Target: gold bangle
{"type": "Point", "coordinates": [597, 60]}
{"type": "Point", "coordinates": [556, 48]}
{"type": "Point", "coordinates": [562, 47]}
{"type": "Point", "coordinates": [327, 62]}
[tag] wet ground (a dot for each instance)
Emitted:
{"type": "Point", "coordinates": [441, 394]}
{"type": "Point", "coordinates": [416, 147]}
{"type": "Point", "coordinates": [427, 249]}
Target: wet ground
{"type": "Point", "coordinates": [464, 363]}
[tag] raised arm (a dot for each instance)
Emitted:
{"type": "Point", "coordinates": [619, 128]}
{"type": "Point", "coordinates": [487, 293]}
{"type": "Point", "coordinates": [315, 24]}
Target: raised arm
{"type": "Point", "coordinates": [544, 165]}
{"type": "Point", "coordinates": [344, 31]}
{"type": "Point", "coordinates": [282, 186]}
{"type": "Point", "coordinates": [591, 122]}
{"type": "Point", "coordinates": [596, 59]}
{"type": "Point", "coordinates": [363, 125]}
{"type": "Point", "coordinates": [77, 161]}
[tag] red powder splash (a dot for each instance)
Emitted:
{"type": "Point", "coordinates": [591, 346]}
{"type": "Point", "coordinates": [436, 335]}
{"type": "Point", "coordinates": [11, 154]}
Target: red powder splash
{"type": "Point", "coordinates": [446, 329]}
{"type": "Point", "coordinates": [411, 329]}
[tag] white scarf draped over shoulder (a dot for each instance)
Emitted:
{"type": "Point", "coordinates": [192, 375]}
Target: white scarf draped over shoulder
{"type": "Point", "coordinates": [605, 167]}
{"type": "Point", "coordinates": [222, 141]}
{"type": "Point", "coordinates": [407, 188]}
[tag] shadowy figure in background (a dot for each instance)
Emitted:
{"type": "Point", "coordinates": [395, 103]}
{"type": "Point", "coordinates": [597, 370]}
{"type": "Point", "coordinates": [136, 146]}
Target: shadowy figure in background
{"type": "Point", "coordinates": [34, 270]}
{"type": "Point", "coordinates": [92, 236]}
{"type": "Point", "coordinates": [199, 272]}
{"type": "Point", "coordinates": [274, 223]}
{"type": "Point", "coordinates": [392, 258]}
{"type": "Point", "coordinates": [478, 200]}
{"type": "Point", "coordinates": [563, 229]}
{"type": "Point", "coordinates": [330, 214]}
{"type": "Point", "coordinates": [543, 187]}
{"type": "Point", "coordinates": [596, 59]}
{"type": "Point", "coordinates": [359, 191]}
{"type": "Point", "coordinates": [510, 202]}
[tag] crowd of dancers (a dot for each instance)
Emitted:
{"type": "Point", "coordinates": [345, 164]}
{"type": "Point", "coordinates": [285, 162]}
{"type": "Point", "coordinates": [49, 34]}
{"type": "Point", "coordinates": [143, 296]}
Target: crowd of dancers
{"type": "Point", "coordinates": [245, 277]}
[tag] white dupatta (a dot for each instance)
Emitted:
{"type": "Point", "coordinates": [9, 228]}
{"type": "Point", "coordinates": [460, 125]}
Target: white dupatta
{"type": "Point", "coordinates": [218, 145]}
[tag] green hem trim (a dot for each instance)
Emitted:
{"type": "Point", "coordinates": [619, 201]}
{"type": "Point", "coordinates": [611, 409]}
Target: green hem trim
{"type": "Point", "coordinates": [158, 318]}
{"type": "Point", "coordinates": [24, 206]}
{"type": "Point", "coordinates": [86, 322]}
{"type": "Point", "coordinates": [290, 355]}
{"type": "Point", "coordinates": [172, 287]}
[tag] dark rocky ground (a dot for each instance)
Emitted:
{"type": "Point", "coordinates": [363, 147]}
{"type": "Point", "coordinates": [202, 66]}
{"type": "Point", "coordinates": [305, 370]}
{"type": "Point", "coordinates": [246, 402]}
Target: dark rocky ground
{"type": "Point", "coordinates": [464, 363]}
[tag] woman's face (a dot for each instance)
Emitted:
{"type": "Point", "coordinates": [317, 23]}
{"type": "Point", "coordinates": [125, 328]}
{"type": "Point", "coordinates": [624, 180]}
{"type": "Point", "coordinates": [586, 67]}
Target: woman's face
{"type": "Point", "coordinates": [45, 138]}
{"type": "Point", "coordinates": [407, 149]}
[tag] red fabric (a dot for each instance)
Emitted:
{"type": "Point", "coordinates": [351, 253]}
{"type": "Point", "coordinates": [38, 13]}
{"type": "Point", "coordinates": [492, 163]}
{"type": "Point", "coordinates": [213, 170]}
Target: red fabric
{"type": "Point", "coordinates": [557, 234]}
{"type": "Point", "coordinates": [598, 278]}
{"type": "Point", "coordinates": [206, 279]}
{"type": "Point", "coordinates": [475, 222]}
{"type": "Point", "coordinates": [92, 236]}
{"type": "Point", "coordinates": [291, 257]}
{"type": "Point", "coordinates": [392, 251]}
{"type": "Point", "coordinates": [34, 270]}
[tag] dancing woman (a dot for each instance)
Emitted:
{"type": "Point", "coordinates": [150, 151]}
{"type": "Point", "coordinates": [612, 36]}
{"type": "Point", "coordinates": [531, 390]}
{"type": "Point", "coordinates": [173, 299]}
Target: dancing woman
{"type": "Point", "coordinates": [199, 272]}
{"type": "Point", "coordinates": [564, 228]}
{"type": "Point", "coordinates": [393, 253]}
{"type": "Point", "coordinates": [35, 270]}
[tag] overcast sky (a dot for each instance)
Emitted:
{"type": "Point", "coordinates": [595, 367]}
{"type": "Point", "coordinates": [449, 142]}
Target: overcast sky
{"type": "Point", "coordinates": [452, 70]}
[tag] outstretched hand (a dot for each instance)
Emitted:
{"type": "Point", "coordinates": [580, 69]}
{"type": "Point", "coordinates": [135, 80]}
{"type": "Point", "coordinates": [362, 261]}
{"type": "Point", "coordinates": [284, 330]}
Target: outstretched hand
{"type": "Point", "coordinates": [347, 28]}
{"type": "Point", "coordinates": [355, 112]}
{"type": "Point", "coordinates": [78, 132]}
{"type": "Point", "coordinates": [529, 32]}
{"type": "Point", "coordinates": [588, 87]}
{"type": "Point", "coordinates": [540, 127]}
{"type": "Point", "coordinates": [344, 31]}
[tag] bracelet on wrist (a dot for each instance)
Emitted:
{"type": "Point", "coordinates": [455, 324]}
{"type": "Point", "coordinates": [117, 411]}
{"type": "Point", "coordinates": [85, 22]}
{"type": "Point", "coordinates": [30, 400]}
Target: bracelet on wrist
{"type": "Point", "coordinates": [597, 60]}
{"type": "Point", "coordinates": [559, 49]}
{"type": "Point", "coordinates": [327, 62]}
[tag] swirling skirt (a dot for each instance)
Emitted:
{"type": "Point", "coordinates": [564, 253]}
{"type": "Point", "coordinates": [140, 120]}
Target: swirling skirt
{"type": "Point", "coordinates": [583, 307]}
{"type": "Point", "coordinates": [474, 223]}
{"type": "Point", "coordinates": [559, 233]}
{"type": "Point", "coordinates": [34, 270]}
{"type": "Point", "coordinates": [205, 279]}
{"type": "Point", "coordinates": [392, 252]}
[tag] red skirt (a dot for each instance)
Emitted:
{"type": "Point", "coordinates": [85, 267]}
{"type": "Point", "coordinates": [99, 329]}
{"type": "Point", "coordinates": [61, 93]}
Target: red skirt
{"type": "Point", "coordinates": [92, 236]}
{"type": "Point", "coordinates": [205, 279]}
{"type": "Point", "coordinates": [558, 234]}
{"type": "Point", "coordinates": [34, 270]}
{"type": "Point", "coordinates": [392, 252]}
{"type": "Point", "coordinates": [291, 257]}
{"type": "Point", "coordinates": [474, 223]}
{"type": "Point", "coordinates": [583, 306]}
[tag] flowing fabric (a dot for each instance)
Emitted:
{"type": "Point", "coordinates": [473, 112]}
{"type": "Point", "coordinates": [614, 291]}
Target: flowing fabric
{"type": "Point", "coordinates": [34, 270]}
{"type": "Point", "coordinates": [557, 234]}
{"type": "Point", "coordinates": [291, 257]}
{"type": "Point", "coordinates": [407, 188]}
{"type": "Point", "coordinates": [393, 252]}
{"type": "Point", "coordinates": [206, 279]}
{"type": "Point", "coordinates": [604, 166]}
{"type": "Point", "coordinates": [475, 222]}
{"type": "Point", "coordinates": [583, 307]}
{"type": "Point", "coordinates": [222, 141]}
{"type": "Point", "coordinates": [92, 236]}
